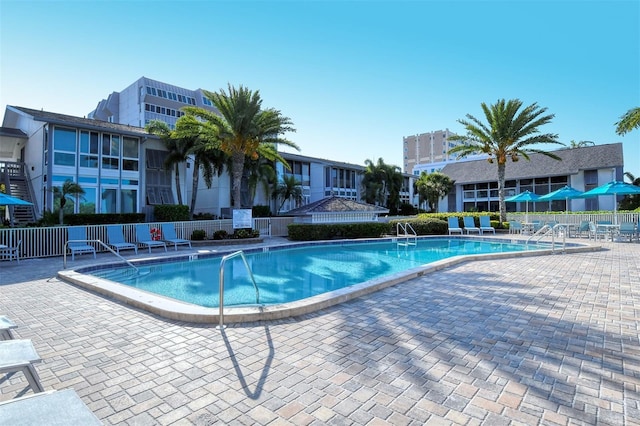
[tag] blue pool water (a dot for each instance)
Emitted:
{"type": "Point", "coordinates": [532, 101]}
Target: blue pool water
{"type": "Point", "coordinates": [290, 274]}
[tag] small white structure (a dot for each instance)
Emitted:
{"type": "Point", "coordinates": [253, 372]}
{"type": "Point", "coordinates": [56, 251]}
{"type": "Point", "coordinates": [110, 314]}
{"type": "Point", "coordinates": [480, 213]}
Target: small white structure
{"type": "Point", "coordinates": [334, 209]}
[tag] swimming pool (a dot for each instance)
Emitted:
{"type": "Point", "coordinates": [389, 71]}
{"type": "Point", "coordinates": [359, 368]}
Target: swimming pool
{"type": "Point", "coordinates": [292, 279]}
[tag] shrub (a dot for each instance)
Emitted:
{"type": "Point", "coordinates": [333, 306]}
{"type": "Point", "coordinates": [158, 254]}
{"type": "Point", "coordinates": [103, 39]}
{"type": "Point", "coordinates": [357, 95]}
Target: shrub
{"type": "Point", "coordinates": [220, 235]}
{"type": "Point", "coordinates": [328, 231]}
{"type": "Point", "coordinates": [261, 211]}
{"type": "Point", "coordinates": [198, 235]}
{"type": "Point", "coordinates": [171, 213]}
{"type": "Point", "coordinates": [423, 226]}
{"type": "Point", "coordinates": [245, 233]}
{"type": "Point", "coordinates": [204, 216]}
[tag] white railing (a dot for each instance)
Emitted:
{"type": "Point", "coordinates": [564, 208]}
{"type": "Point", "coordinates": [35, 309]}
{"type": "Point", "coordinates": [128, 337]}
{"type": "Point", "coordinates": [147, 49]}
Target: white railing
{"type": "Point", "coordinates": [50, 241]}
{"type": "Point", "coordinates": [577, 218]}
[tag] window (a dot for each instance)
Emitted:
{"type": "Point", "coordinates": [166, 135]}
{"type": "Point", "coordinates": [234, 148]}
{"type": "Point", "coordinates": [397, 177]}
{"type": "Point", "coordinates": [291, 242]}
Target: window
{"type": "Point", "coordinates": [110, 151]}
{"type": "Point", "coordinates": [64, 147]}
{"type": "Point", "coordinates": [158, 180]}
{"type": "Point", "coordinates": [89, 149]}
{"type": "Point", "coordinates": [129, 154]}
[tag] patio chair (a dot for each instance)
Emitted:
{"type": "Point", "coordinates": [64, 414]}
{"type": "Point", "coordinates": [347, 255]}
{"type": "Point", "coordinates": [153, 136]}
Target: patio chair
{"type": "Point", "coordinates": [515, 227]}
{"type": "Point", "coordinates": [6, 325]}
{"type": "Point", "coordinates": [19, 356]}
{"type": "Point", "coordinates": [11, 252]}
{"type": "Point", "coordinates": [169, 236]}
{"type": "Point", "coordinates": [454, 225]}
{"type": "Point", "coordinates": [143, 235]}
{"type": "Point", "coordinates": [583, 228]}
{"type": "Point", "coordinates": [78, 241]}
{"type": "Point", "coordinates": [52, 407]}
{"type": "Point", "coordinates": [595, 232]}
{"type": "Point", "coordinates": [470, 226]}
{"type": "Point", "coordinates": [117, 241]}
{"type": "Point", "coordinates": [627, 229]}
{"type": "Point", "coordinates": [485, 225]}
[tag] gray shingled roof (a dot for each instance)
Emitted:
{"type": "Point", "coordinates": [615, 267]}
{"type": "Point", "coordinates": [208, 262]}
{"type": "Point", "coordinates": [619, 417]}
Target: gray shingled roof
{"type": "Point", "coordinates": [85, 123]}
{"type": "Point", "coordinates": [13, 133]}
{"type": "Point", "coordinates": [334, 204]}
{"type": "Point", "coordinates": [573, 160]}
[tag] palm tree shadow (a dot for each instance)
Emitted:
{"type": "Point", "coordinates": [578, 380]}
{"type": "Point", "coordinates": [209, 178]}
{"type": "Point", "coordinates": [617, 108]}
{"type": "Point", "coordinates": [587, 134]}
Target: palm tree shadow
{"type": "Point", "coordinates": [259, 386]}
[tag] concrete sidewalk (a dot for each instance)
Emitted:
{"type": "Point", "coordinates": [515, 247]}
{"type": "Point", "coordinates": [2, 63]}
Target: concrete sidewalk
{"type": "Point", "coordinates": [530, 340]}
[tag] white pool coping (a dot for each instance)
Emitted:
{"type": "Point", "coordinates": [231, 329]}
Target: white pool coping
{"type": "Point", "coordinates": [183, 311]}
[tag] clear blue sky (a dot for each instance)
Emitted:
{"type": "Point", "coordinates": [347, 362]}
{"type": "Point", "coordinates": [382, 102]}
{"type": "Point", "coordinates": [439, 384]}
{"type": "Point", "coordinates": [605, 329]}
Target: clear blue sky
{"type": "Point", "coordinates": [355, 77]}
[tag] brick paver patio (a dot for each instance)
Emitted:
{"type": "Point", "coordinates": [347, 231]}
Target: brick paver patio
{"type": "Point", "coordinates": [547, 340]}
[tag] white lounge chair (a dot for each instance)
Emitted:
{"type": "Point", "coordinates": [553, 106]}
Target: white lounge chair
{"type": "Point", "coordinates": [143, 235]}
{"type": "Point", "coordinates": [78, 241]}
{"type": "Point", "coordinates": [485, 225]}
{"type": "Point", "coordinates": [117, 241]}
{"type": "Point", "coordinates": [454, 225]}
{"type": "Point", "coordinates": [169, 236]}
{"type": "Point", "coordinates": [470, 226]}
{"type": "Point", "coordinates": [51, 408]}
{"type": "Point", "coordinates": [20, 355]}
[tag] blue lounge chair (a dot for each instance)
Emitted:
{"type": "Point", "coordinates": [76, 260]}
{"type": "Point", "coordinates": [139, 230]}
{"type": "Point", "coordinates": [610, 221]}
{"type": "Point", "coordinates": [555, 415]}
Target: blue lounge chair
{"type": "Point", "coordinates": [20, 355]}
{"type": "Point", "coordinates": [485, 225]}
{"type": "Point", "coordinates": [169, 236]}
{"type": "Point", "coordinates": [143, 235]}
{"type": "Point", "coordinates": [117, 241]}
{"type": "Point", "coordinates": [627, 229]}
{"type": "Point", "coordinates": [78, 241]}
{"type": "Point", "coordinates": [454, 225]}
{"type": "Point", "coordinates": [470, 226]}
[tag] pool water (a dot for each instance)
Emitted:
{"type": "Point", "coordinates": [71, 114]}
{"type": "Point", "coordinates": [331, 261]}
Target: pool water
{"type": "Point", "coordinates": [290, 274]}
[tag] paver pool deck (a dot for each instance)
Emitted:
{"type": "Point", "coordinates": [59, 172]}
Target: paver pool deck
{"type": "Point", "coordinates": [550, 340]}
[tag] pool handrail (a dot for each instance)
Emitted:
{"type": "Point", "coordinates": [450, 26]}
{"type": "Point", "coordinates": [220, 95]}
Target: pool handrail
{"type": "Point", "coordinates": [221, 284]}
{"type": "Point", "coordinates": [64, 254]}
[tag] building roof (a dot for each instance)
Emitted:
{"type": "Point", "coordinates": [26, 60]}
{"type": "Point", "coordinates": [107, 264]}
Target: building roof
{"type": "Point", "coordinates": [13, 133]}
{"type": "Point", "coordinates": [335, 204]}
{"type": "Point", "coordinates": [298, 157]}
{"type": "Point", "coordinates": [86, 123]}
{"type": "Point", "coordinates": [573, 160]}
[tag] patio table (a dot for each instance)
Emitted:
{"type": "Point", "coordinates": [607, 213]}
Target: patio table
{"type": "Point", "coordinates": [609, 228]}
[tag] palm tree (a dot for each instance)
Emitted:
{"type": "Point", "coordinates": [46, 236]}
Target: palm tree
{"type": "Point", "coordinates": [510, 133]}
{"type": "Point", "coordinates": [259, 172]}
{"type": "Point", "coordinates": [178, 149]}
{"type": "Point", "coordinates": [581, 144]}
{"type": "Point", "coordinates": [69, 190]}
{"type": "Point", "coordinates": [631, 202]}
{"type": "Point", "coordinates": [433, 187]}
{"type": "Point", "coordinates": [244, 129]}
{"type": "Point", "coordinates": [382, 184]}
{"type": "Point", "coordinates": [203, 147]}
{"type": "Point", "coordinates": [629, 121]}
{"type": "Point", "coordinates": [288, 188]}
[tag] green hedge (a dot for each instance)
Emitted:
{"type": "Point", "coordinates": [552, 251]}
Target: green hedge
{"type": "Point", "coordinates": [103, 218]}
{"type": "Point", "coordinates": [422, 225]}
{"type": "Point", "coordinates": [328, 231]}
{"type": "Point", "coordinates": [171, 213]}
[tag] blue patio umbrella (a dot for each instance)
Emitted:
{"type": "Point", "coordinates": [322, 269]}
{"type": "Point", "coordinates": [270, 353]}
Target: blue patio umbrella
{"type": "Point", "coordinates": [8, 200]}
{"type": "Point", "coordinates": [565, 193]}
{"type": "Point", "coordinates": [614, 188]}
{"type": "Point", "coordinates": [525, 196]}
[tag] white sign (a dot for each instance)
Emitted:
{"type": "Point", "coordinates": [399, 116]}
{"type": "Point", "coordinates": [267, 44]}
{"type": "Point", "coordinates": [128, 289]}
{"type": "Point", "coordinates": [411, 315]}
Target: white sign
{"type": "Point", "coordinates": [242, 219]}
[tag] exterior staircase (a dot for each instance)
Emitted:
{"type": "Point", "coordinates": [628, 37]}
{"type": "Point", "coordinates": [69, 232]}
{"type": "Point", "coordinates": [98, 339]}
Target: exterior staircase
{"type": "Point", "coordinates": [16, 184]}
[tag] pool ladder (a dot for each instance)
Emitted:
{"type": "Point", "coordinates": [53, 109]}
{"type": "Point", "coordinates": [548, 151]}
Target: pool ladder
{"type": "Point", "coordinates": [406, 231]}
{"type": "Point", "coordinates": [246, 264]}
{"type": "Point", "coordinates": [558, 229]}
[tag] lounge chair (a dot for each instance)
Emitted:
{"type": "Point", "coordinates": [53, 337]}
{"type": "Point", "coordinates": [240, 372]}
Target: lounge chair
{"type": "Point", "coordinates": [515, 227]}
{"type": "Point", "coordinates": [117, 241]}
{"type": "Point", "coordinates": [20, 355]}
{"type": "Point", "coordinates": [169, 236]}
{"type": "Point", "coordinates": [143, 235]}
{"type": "Point", "coordinates": [627, 229]}
{"type": "Point", "coordinates": [470, 226]}
{"type": "Point", "coordinates": [6, 325]}
{"type": "Point", "coordinates": [595, 231]}
{"type": "Point", "coordinates": [583, 228]}
{"type": "Point", "coordinates": [454, 225]}
{"type": "Point", "coordinates": [52, 407]}
{"type": "Point", "coordinates": [11, 252]}
{"type": "Point", "coordinates": [78, 241]}
{"type": "Point", "coordinates": [485, 225]}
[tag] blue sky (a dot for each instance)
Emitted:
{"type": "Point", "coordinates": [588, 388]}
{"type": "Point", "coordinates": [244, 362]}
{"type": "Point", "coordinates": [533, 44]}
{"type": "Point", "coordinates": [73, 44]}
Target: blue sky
{"type": "Point", "coordinates": [354, 76]}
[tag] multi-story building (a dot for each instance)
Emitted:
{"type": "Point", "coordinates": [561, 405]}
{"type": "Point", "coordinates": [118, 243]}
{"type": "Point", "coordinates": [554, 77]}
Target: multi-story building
{"type": "Point", "coordinates": [432, 147]}
{"type": "Point", "coordinates": [145, 100]}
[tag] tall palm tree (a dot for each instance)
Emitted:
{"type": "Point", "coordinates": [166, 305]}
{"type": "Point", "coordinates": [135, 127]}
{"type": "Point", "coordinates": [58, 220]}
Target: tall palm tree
{"type": "Point", "coordinates": [244, 129]}
{"type": "Point", "coordinates": [289, 188]}
{"type": "Point", "coordinates": [178, 149]}
{"type": "Point", "coordinates": [631, 202]}
{"type": "Point", "coordinates": [432, 187]}
{"type": "Point", "coordinates": [629, 121]}
{"type": "Point", "coordinates": [259, 172]}
{"type": "Point", "coordinates": [510, 133]}
{"type": "Point", "coordinates": [69, 190]}
{"type": "Point", "coordinates": [382, 184]}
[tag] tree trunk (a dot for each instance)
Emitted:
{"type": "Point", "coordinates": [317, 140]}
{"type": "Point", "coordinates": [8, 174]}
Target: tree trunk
{"type": "Point", "coordinates": [503, 206]}
{"type": "Point", "coordinates": [237, 167]}
{"type": "Point", "coordinates": [194, 187]}
{"type": "Point", "coordinates": [63, 201]}
{"type": "Point", "coordinates": [178, 191]}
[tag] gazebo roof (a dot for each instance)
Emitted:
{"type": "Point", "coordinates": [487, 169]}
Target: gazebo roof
{"type": "Point", "coordinates": [334, 204]}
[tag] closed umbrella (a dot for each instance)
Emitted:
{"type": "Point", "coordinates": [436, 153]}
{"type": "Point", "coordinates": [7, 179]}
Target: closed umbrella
{"type": "Point", "coordinates": [525, 196]}
{"type": "Point", "coordinates": [565, 193]}
{"type": "Point", "coordinates": [614, 188]}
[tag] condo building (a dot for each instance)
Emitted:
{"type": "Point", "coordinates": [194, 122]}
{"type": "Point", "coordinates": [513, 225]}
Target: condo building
{"type": "Point", "coordinates": [432, 147]}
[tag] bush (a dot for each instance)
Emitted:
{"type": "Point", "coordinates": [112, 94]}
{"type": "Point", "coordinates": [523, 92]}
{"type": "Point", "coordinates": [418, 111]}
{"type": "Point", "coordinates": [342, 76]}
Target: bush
{"type": "Point", "coordinates": [198, 235]}
{"type": "Point", "coordinates": [315, 232]}
{"type": "Point", "coordinates": [171, 213]}
{"type": "Point", "coordinates": [422, 226]}
{"type": "Point", "coordinates": [204, 216]}
{"type": "Point", "coordinates": [261, 211]}
{"type": "Point", "coordinates": [102, 218]}
{"type": "Point", "coordinates": [245, 233]}
{"type": "Point", "coordinates": [220, 235]}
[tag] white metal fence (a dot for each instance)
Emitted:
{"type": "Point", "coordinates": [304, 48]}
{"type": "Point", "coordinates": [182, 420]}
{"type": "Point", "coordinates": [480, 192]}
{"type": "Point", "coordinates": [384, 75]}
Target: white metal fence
{"type": "Point", "coordinates": [49, 241]}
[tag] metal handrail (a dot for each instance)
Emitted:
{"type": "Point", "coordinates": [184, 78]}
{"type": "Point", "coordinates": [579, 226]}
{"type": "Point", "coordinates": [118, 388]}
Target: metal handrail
{"type": "Point", "coordinates": [64, 261]}
{"type": "Point", "coordinates": [405, 233]}
{"type": "Point", "coordinates": [221, 284]}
